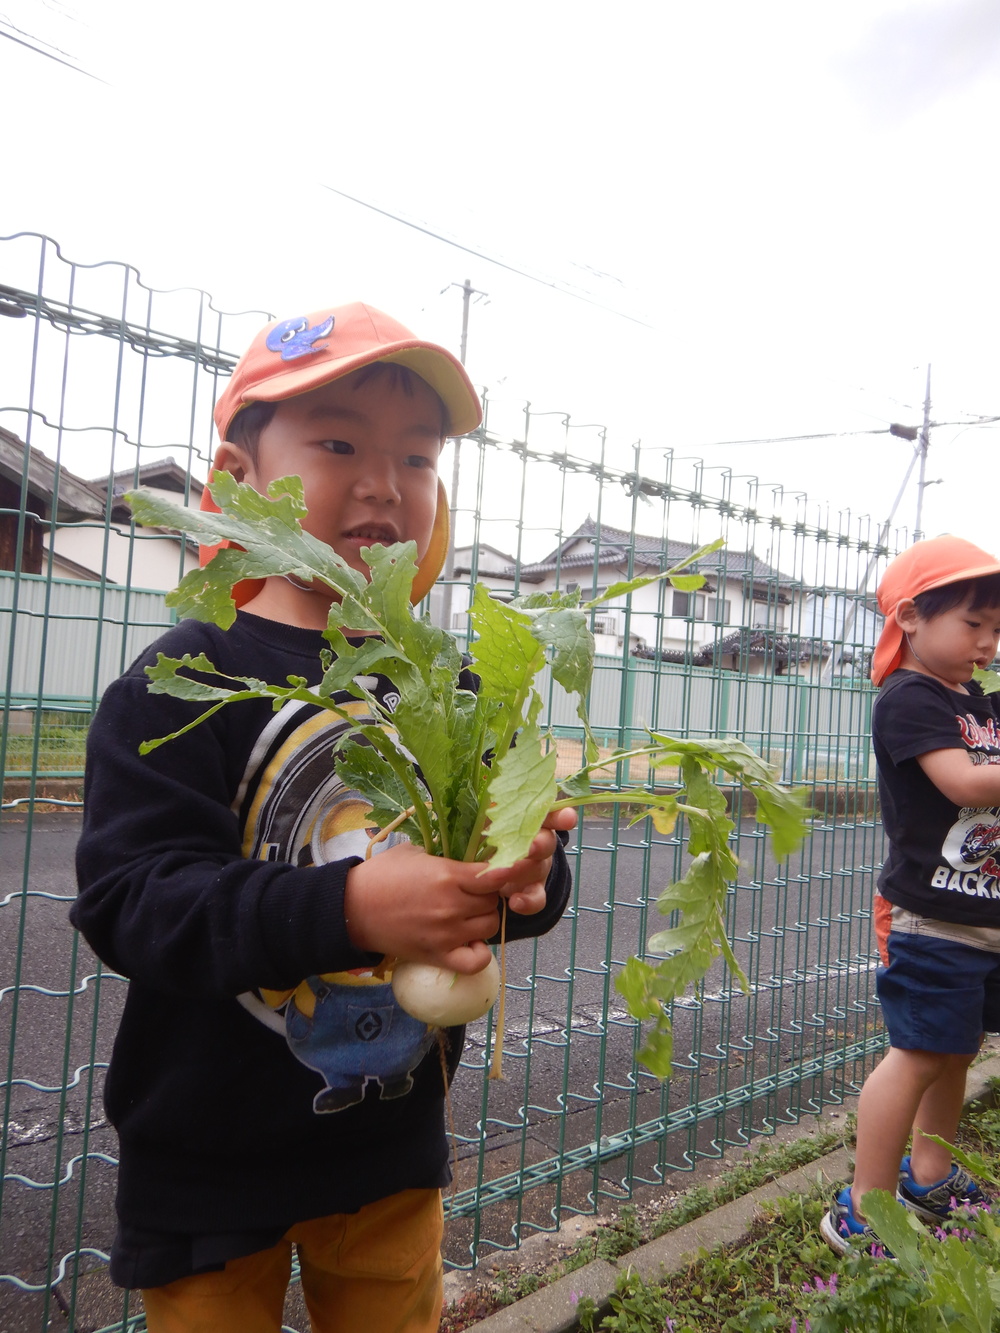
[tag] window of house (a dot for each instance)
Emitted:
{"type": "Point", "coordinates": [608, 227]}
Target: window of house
{"type": "Point", "coordinates": [768, 615]}
{"type": "Point", "coordinates": [586, 591]}
{"type": "Point", "coordinates": [690, 605]}
{"type": "Point", "coordinates": [701, 606]}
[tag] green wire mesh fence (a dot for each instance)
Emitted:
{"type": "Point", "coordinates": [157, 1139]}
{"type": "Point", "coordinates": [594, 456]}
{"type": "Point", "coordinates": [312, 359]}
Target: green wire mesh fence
{"type": "Point", "coordinates": [107, 384]}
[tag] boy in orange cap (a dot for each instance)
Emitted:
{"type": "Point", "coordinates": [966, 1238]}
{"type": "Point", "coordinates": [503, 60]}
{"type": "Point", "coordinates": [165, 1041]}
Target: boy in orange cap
{"type": "Point", "coordinates": [937, 913]}
{"type": "Point", "coordinates": [267, 1090]}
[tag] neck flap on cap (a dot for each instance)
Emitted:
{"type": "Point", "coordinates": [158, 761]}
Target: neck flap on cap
{"type": "Point", "coordinates": [925, 565]}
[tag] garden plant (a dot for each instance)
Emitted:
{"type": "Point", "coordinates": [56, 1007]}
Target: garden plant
{"type": "Point", "coordinates": [471, 775]}
{"type": "Point", "coordinates": [784, 1277]}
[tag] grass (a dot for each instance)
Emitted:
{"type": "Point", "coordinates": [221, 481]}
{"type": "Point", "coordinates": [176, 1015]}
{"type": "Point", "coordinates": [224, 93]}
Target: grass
{"type": "Point", "coordinates": [61, 746]}
{"type": "Point", "coordinates": [627, 1232]}
{"type": "Point", "coordinates": [757, 1286]}
{"type": "Point", "coordinates": [781, 1276]}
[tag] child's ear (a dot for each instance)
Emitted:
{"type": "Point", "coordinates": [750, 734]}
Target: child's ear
{"type": "Point", "coordinates": [232, 458]}
{"type": "Point", "coordinates": [906, 615]}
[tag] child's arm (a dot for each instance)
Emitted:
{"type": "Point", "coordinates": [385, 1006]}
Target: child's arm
{"type": "Point", "coordinates": [166, 895]}
{"type": "Point", "coordinates": [960, 780]}
{"type": "Point", "coordinates": [430, 909]}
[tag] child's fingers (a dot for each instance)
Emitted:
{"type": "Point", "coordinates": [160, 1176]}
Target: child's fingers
{"type": "Point", "coordinates": [563, 820]}
{"type": "Point", "coordinates": [535, 865]}
{"type": "Point", "coordinates": [468, 958]}
{"type": "Point", "coordinates": [526, 902]}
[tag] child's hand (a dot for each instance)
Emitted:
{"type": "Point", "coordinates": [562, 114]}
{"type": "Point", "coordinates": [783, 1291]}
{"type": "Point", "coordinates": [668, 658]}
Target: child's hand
{"type": "Point", "coordinates": [524, 882]}
{"type": "Point", "coordinates": [426, 909]}
{"type": "Point", "coordinates": [429, 909]}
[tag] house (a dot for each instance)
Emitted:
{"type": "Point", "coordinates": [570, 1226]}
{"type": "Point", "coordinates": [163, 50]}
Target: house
{"type": "Point", "coordinates": [87, 523]}
{"type": "Point", "coordinates": [740, 618]}
{"type": "Point", "coordinates": [50, 492]}
{"type": "Point", "coordinates": [850, 622]}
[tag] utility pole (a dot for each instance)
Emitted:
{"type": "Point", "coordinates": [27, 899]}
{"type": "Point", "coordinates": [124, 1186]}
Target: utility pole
{"type": "Point", "coordinates": [922, 439]}
{"type": "Point", "coordinates": [448, 573]}
{"type": "Point", "coordinates": [922, 447]}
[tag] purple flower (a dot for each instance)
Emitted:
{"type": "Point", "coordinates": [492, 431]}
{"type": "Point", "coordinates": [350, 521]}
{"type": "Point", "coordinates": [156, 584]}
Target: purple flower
{"type": "Point", "coordinates": [820, 1285]}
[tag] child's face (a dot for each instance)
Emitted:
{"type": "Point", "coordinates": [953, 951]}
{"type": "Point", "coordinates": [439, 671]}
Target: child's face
{"type": "Point", "coordinates": [367, 455]}
{"type": "Point", "coordinates": [951, 645]}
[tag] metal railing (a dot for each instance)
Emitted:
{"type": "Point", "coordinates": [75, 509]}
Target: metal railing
{"type": "Point", "coordinates": [103, 399]}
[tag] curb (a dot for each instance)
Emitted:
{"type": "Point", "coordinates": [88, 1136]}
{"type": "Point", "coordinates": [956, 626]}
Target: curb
{"type": "Point", "coordinates": [553, 1308]}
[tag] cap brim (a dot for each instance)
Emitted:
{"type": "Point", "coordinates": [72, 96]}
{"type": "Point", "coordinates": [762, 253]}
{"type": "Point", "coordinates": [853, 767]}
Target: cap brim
{"type": "Point", "coordinates": [434, 365]}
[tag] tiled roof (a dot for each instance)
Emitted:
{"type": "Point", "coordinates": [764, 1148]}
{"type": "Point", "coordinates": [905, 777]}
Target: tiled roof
{"type": "Point", "coordinates": [46, 477]}
{"type": "Point", "coordinates": [781, 648]}
{"type": "Point", "coordinates": [615, 545]}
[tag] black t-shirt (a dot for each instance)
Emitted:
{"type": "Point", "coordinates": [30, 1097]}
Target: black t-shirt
{"type": "Point", "coordinates": [944, 860]}
{"type": "Point", "coordinates": [261, 1076]}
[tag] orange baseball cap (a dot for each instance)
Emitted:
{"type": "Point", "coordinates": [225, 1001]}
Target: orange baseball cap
{"type": "Point", "coordinates": [925, 565]}
{"type": "Point", "coordinates": [292, 356]}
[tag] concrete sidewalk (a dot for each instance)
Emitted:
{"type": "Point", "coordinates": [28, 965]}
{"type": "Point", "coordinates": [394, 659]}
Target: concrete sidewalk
{"type": "Point", "coordinates": [553, 1309]}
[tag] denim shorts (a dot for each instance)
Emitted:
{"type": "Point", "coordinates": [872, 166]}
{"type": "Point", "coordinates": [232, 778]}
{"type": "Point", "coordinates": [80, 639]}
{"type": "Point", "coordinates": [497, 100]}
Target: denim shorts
{"type": "Point", "coordinates": [938, 995]}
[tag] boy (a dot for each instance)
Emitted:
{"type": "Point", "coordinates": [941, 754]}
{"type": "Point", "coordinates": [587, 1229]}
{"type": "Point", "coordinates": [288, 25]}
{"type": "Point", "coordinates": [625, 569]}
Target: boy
{"type": "Point", "coordinates": [937, 913]}
{"type": "Point", "coordinates": [266, 1089]}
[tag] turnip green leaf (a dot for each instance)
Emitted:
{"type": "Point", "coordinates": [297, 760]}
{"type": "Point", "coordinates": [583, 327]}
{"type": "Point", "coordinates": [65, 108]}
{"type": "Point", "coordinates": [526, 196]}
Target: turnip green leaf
{"type": "Point", "coordinates": [474, 775]}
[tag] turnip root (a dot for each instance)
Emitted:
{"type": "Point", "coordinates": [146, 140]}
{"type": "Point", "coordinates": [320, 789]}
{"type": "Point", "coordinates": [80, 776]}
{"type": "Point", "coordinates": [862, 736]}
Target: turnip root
{"type": "Point", "coordinates": [442, 998]}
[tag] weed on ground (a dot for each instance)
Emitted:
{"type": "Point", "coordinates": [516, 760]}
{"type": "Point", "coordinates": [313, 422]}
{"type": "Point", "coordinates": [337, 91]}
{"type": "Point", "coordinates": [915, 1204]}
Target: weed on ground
{"type": "Point", "coordinates": [628, 1231]}
{"type": "Point", "coordinates": [782, 1276]}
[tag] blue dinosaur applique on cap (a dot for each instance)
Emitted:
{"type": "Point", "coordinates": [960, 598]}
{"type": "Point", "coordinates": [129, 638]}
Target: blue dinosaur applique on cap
{"type": "Point", "coordinates": [294, 337]}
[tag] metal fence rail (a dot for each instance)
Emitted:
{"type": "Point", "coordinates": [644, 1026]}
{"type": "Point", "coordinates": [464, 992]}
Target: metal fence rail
{"type": "Point", "coordinates": [105, 380]}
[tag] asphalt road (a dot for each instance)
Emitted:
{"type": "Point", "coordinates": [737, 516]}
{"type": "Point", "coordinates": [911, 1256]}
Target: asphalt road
{"type": "Point", "coordinates": [571, 1079]}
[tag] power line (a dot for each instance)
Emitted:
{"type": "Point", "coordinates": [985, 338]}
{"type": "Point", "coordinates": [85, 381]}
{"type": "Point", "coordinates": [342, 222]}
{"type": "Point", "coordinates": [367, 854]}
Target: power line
{"type": "Point", "coordinates": [48, 54]}
{"type": "Point", "coordinates": [835, 434]}
{"type": "Point", "coordinates": [500, 263]}
{"type": "Point", "coordinates": [788, 439]}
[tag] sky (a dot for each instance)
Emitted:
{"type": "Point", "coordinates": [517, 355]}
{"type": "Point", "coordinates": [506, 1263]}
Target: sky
{"type": "Point", "coordinates": [707, 227]}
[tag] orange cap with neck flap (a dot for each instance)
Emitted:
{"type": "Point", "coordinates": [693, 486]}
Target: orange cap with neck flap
{"type": "Point", "coordinates": [921, 567]}
{"type": "Point", "coordinates": [292, 356]}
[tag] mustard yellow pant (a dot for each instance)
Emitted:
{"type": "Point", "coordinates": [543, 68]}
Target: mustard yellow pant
{"type": "Point", "coordinates": [377, 1271]}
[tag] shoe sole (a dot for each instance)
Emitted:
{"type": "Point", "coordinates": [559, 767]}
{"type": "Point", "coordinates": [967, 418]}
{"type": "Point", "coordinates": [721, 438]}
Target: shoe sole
{"type": "Point", "coordinates": [842, 1244]}
{"type": "Point", "coordinates": [832, 1236]}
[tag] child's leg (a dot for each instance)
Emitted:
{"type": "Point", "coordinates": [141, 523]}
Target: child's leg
{"type": "Point", "coordinates": [893, 1093]}
{"type": "Point", "coordinates": [939, 1113]}
{"type": "Point", "coordinates": [379, 1270]}
{"type": "Point", "coordinates": [247, 1296]}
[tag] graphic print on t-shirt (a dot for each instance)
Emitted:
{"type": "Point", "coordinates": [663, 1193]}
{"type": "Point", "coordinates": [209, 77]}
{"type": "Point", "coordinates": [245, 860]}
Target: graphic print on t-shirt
{"type": "Point", "coordinates": [292, 807]}
{"type": "Point", "coordinates": [972, 844]}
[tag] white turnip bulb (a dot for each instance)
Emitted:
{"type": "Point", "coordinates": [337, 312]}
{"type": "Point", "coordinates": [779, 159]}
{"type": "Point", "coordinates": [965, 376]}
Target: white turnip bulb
{"type": "Point", "coordinates": [442, 998]}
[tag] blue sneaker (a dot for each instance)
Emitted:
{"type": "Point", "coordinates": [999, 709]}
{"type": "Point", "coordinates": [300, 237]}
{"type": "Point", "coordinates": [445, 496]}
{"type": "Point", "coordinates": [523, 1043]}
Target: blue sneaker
{"type": "Point", "coordinates": [936, 1203]}
{"type": "Point", "coordinates": [842, 1231]}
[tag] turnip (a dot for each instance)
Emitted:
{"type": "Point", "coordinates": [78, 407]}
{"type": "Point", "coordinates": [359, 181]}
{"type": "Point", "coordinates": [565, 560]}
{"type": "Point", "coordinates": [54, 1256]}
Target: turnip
{"type": "Point", "coordinates": [442, 998]}
{"type": "Point", "coordinates": [472, 775]}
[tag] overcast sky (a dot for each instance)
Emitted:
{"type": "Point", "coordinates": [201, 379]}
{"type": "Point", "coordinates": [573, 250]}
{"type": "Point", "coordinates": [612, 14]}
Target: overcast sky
{"type": "Point", "coordinates": [737, 221]}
